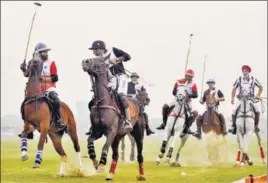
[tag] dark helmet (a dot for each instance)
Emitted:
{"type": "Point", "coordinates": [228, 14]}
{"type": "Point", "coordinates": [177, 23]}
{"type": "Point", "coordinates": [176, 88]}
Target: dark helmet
{"type": "Point", "coordinates": [134, 74]}
{"type": "Point", "coordinates": [41, 47]}
{"type": "Point", "coordinates": [98, 45]}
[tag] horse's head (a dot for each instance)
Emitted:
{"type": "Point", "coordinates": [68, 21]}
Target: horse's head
{"type": "Point", "coordinates": [211, 101]}
{"type": "Point", "coordinates": [142, 97]}
{"type": "Point", "coordinates": [95, 66]}
{"type": "Point", "coordinates": [245, 95]}
{"type": "Point", "coordinates": [181, 94]}
{"type": "Point", "coordinates": [35, 67]}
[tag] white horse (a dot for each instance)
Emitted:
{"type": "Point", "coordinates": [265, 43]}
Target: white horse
{"type": "Point", "coordinates": [174, 127]}
{"type": "Point", "coordinates": [245, 126]}
{"type": "Point", "coordinates": [132, 151]}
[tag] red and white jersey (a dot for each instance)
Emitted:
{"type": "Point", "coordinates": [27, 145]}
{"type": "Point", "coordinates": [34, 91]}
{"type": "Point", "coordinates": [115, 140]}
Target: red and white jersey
{"type": "Point", "coordinates": [49, 68]}
{"type": "Point", "coordinates": [190, 86]}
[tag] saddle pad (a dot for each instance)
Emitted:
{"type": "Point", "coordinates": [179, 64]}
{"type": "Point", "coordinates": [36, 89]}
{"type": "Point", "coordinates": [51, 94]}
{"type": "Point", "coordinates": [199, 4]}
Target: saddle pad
{"type": "Point", "coordinates": [131, 108]}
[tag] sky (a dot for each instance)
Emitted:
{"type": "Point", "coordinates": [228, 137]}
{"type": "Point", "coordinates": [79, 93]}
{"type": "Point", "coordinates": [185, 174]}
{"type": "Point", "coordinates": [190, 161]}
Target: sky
{"type": "Point", "coordinates": [155, 34]}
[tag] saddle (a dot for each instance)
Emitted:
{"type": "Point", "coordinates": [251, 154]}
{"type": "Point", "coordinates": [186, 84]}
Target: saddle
{"type": "Point", "coordinates": [43, 98]}
{"type": "Point", "coordinates": [119, 106]}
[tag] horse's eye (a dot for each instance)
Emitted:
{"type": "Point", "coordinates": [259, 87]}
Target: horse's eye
{"type": "Point", "coordinates": [86, 61]}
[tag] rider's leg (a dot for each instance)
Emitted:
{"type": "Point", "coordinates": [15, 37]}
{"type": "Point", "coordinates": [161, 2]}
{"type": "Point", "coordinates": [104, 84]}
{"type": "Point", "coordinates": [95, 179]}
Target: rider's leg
{"type": "Point", "coordinates": [148, 130]}
{"type": "Point", "coordinates": [199, 121]}
{"type": "Point", "coordinates": [124, 101]}
{"type": "Point", "coordinates": [189, 121]}
{"type": "Point", "coordinates": [56, 102]}
{"type": "Point", "coordinates": [257, 116]}
{"type": "Point", "coordinates": [165, 111]}
{"type": "Point", "coordinates": [234, 110]}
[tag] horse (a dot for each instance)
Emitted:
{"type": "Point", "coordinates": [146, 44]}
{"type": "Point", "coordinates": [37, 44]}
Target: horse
{"type": "Point", "coordinates": [211, 126]}
{"type": "Point", "coordinates": [211, 120]}
{"type": "Point", "coordinates": [38, 114]}
{"type": "Point", "coordinates": [175, 125]}
{"type": "Point", "coordinates": [141, 97]}
{"type": "Point", "coordinates": [245, 116]}
{"type": "Point", "coordinates": [106, 118]}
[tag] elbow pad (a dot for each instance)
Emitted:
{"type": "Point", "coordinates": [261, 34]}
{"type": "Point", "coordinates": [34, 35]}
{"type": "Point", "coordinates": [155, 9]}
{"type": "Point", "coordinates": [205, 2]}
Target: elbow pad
{"type": "Point", "coordinates": [54, 78]}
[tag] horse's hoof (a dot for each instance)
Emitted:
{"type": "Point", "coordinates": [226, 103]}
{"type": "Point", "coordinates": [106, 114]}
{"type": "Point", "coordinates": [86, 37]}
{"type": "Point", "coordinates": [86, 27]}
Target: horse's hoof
{"type": "Point", "coordinates": [59, 175]}
{"type": "Point", "coordinates": [141, 178]}
{"type": "Point", "coordinates": [263, 162]}
{"type": "Point", "coordinates": [24, 158]}
{"type": "Point", "coordinates": [178, 165]}
{"type": "Point", "coordinates": [36, 165]}
{"type": "Point", "coordinates": [250, 163]}
{"type": "Point", "coordinates": [101, 168]}
{"type": "Point", "coordinates": [173, 164]}
{"type": "Point", "coordinates": [109, 177]}
{"type": "Point", "coordinates": [161, 155]}
{"type": "Point", "coordinates": [157, 162]}
{"type": "Point", "coordinates": [167, 160]}
{"type": "Point", "coordinates": [96, 164]}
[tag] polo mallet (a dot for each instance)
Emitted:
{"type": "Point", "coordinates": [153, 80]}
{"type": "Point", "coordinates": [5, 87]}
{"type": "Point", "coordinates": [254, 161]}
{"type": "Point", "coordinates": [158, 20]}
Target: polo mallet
{"type": "Point", "coordinates": [204, 69]}
{"type": "Point", "coordinates": [31, 28]}
{"type": "Point", "coordinates": [188, 53]}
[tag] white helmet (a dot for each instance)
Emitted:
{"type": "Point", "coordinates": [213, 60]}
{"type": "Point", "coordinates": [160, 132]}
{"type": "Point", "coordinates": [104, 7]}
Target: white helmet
{"type": "Point", "coordinates": [211, 80]}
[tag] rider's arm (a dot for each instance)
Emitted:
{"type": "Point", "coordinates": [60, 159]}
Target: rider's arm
{"type": "Point", "coordinates": [121, 55]}
{"type": "Point", "coordinates": [194, 92]}
{"type": "Point", "coordinates": [233, 93]}
{"type": "Point", "coordinates": [175, 89]}
{"type": "Point", "coordinates": [258, 84]}
{"type": "Point", "coordinates": [220, 96]}
{"type": "Point", "coordinates": [235, 86]}
{"type": "Point", "coordinates": [54, 74]}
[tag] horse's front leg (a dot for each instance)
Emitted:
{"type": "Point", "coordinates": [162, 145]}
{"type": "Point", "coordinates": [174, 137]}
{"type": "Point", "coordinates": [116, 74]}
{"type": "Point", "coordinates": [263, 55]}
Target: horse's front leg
{"type": "Point", "coordinates": [183, 141]}
{"type": "Point", "coordinates": [91, 151]}
{"type": "Point", "coordinates": [44, 126]}
{"type": "Point", "coordinates": [27, 129]}
{"type": "Point", "coordinates": [109, 140]}
{"type": "Point", "coordinates": [115, 157]}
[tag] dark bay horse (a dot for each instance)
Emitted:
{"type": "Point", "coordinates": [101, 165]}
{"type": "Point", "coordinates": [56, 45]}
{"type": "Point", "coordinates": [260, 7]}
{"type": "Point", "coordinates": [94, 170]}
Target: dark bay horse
{"type": "Point", "coordinates": [106, 119]}
{"type": "Point", "coordinates": [38, 115]}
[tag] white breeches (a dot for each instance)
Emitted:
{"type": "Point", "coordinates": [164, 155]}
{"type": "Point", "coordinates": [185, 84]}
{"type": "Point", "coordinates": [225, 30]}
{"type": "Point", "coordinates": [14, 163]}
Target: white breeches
{"type": "Point", "coordinates": [235, 106]}
{"type": "Point", "coordinates": [121, 81]}
{"type": "Point", "coordinates": [174, 100]}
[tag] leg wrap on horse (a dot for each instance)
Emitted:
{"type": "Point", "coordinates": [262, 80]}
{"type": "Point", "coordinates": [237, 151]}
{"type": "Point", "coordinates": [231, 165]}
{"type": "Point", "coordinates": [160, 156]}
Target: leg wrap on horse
{"type": "Point", "coordinates": [163, 147]}
{"type": "Point", "coordinates": [91, 151]}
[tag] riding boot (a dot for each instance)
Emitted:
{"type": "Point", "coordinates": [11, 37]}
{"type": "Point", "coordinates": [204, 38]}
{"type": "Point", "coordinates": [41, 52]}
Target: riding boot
{"type": "Point", "coordinates": [56, 102]}
{"type": "Point", "coordinates": [233, 128]}
{"type": "Point", "coordinates": [223, 124]}
{"type": "Point", "coordinates": [127, 125]}
{"type": "Point", "coordinates": [188, 123]}
{"type": "Point", "coordinates": [257, 118]}
{"type": "Point", "coordinates": [148, 130]}
{"type": "Point", "coordinates": [198, 133]}
{"type": "Point", "coordinates": [165, 110]}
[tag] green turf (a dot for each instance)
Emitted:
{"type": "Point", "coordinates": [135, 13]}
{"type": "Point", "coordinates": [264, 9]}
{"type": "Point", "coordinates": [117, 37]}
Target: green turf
{"type": "Point", "coordinates": [193, 158]}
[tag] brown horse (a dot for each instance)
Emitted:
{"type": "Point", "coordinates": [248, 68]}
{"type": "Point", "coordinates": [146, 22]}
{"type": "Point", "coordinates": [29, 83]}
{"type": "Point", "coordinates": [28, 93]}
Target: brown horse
{"type": "Point", "coordinates": [211, 120]}
{"type": "Point", "coordinates": [39, 115]}
{"type": "Point", "coordinates": [106, 119]}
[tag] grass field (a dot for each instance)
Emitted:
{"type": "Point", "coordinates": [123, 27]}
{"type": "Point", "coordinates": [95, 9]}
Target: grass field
{"type": "Point", "coordinates": [193, 158]}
